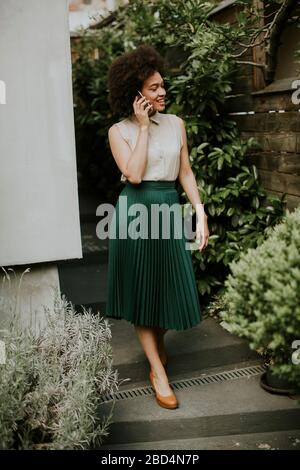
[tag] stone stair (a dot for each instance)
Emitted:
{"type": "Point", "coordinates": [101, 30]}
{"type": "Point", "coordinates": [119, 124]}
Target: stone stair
{"type": "Point", "coordinates": [214, 375]}
{"type": "Point", "coordinates": [216, 414]}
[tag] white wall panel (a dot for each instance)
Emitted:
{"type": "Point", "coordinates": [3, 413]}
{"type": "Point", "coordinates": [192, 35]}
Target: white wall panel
{"type": "Point", "coordinates": [39, 212]}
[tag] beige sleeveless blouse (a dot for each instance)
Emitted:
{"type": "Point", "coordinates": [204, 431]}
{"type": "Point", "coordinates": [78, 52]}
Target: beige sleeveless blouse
{"type": "Point", "coordinates": [164, 145]}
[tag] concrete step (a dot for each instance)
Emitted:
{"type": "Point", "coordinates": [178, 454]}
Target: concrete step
{"type": "Point", "coordinates": [90, 241]}
{"type": "Point", "coordinates": [278, 440]}
{"type": "Point", "coordinates": [229, 408]}
{"type": "Point", "coordinates": [96, 258]}
{"type": "Point", "coordinates": [95, 250]}
{"type": "Point", "coordinates": [207, 345]}
{"type": "Point", "coordinates": [233, 407]}
{"type": "Point", "coordinates": [84, 283]}
{"type": "Point", "coordinates": [178, 374]}
{"type": "Point", "coordinates": [88, 204]}
{"type": "Point", "coordinates": [182, 365]}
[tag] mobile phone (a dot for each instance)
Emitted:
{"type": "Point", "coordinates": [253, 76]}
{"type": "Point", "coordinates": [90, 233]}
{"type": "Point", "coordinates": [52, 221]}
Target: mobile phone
{"type": "Point", "coordinates": [144, 97]}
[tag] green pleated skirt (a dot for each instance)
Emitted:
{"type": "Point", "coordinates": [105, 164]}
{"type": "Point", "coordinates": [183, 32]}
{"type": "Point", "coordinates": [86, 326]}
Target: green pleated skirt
{"type": "Point", "coordinates": [151, 281]}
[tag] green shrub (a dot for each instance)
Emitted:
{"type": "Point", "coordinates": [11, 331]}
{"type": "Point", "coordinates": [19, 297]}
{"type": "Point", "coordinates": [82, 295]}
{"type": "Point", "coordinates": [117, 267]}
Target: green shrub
{"type": "Point", "coordinates": [200, 75]}
{"type": "Point", "coordinates": [262, 297]}
{"type": "Point", "coordinates": [53, 380]}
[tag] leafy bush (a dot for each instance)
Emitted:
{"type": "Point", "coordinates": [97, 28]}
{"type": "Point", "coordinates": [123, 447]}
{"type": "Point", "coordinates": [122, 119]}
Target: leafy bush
{"type": "Point", "coordinates": [52, 381]}
{"type": "Point", "coordinates": [96, 172]}
{"type": "Point", "coordinates": [262, 297]}
{"type": "Point", "coordinates": [201, 70]}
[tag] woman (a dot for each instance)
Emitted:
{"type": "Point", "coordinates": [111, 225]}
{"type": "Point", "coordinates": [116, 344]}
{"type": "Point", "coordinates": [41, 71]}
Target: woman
{"type": "Point", "coordinates": [151, 282]}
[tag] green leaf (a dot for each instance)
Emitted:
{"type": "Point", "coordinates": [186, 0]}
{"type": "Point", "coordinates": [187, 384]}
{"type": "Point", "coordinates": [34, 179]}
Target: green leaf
{"type": "Point", "coordinates": [220, 162]}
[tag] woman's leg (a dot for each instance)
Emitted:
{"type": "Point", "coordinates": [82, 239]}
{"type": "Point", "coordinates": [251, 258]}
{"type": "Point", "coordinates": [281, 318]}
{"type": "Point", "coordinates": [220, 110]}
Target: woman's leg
{"type": "Point", "coordinates": [148, 340]}
{"type": "Point", "coordinates": [160, 332]}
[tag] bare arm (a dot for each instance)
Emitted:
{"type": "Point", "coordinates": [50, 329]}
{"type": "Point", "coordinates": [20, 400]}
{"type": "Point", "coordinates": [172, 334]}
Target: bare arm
{"type": "Point", "coordinates": [186, 176]}
{"type": "Point", "coordinates": [132, 164]}
{"type": "Point", "coordinates": [188, 182]}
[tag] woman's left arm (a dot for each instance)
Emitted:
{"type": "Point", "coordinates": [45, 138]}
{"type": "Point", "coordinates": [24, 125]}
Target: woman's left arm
{"type": "Point", "coordinates": [187, 180]}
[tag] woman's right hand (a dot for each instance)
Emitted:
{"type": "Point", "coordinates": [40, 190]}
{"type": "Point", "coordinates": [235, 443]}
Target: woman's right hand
{"type": "Point", "coordinates": [141, 111]}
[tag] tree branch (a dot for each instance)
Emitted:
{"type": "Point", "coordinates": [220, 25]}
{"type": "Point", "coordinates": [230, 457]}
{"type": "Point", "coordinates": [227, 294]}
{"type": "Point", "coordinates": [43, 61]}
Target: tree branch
{"type": "Point", "coordinates": [275, 30]}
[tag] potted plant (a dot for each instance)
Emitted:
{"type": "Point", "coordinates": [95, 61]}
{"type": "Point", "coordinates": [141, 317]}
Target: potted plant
{"type": "Point", "coordinates": [275, 383]}
{"type": "Point", "coordinates": [261, 302]}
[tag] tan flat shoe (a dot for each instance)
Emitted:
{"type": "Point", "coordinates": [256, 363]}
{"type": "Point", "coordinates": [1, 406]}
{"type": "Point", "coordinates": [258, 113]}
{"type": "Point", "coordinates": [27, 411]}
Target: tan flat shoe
{"type": "Point", "coordinates": [169, 401]}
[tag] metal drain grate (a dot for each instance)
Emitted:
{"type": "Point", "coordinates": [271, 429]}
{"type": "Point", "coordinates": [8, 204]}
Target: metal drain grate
{"type": "Point", "coordinates": [186, 383]}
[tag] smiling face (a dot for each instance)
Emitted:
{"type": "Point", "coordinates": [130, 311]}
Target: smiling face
{"type": "Point", "coordinates": [154, 90]}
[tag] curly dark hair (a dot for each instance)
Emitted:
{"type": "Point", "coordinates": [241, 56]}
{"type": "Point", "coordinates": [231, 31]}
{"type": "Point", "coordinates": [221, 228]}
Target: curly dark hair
{"type": "Point", "coordinates": [127, 74]}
